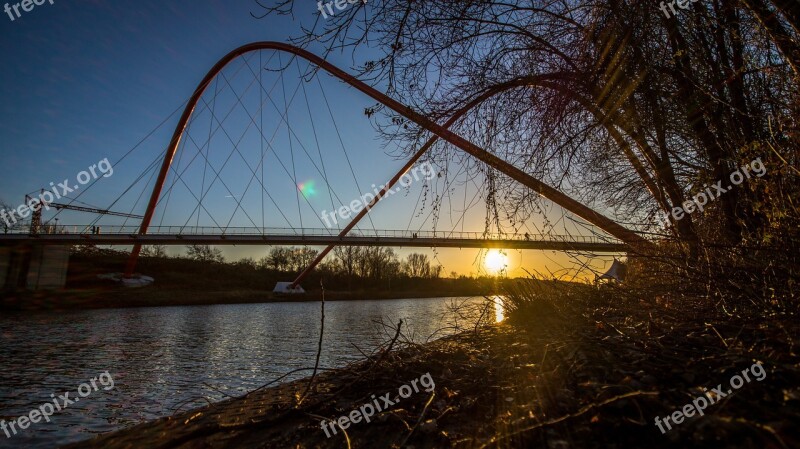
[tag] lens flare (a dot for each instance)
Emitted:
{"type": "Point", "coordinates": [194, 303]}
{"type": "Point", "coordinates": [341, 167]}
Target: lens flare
{"type": "Point", "coordinates": [307, 188]}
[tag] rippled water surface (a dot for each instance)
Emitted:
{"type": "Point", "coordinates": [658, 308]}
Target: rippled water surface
{"type": "Point", "coordinates": [164, 358]}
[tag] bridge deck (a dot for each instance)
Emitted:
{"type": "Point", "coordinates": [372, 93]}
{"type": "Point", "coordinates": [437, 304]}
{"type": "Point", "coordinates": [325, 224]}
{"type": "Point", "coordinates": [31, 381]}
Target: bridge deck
{"type": "Point", "coordinates": [312, 237]}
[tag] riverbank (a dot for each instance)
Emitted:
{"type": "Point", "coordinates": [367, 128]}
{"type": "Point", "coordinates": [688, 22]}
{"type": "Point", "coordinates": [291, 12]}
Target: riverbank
{"type": "Point", "coordinates": [596, 379]}
{"type": "Point", "coordinates": [184, 282]}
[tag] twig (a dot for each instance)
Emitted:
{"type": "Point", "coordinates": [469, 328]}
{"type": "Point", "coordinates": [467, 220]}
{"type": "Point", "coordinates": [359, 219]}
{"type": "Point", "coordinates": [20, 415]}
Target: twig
{"type": "Point", "coordinates": [282, 377]}
{"type": "Point", "coordinates": [319, 346]}
{"type": "Point", "coordinates": [187, 401]}
{"type": "Point", "coordinates": [580, 412]}
{"type": "Point", "coordinates": [344, 432]}
{"type": "Point", "coordinates": [419, 420]}
{"type": "Point", "coordinates": [360, 351]}
{"type": "Point", "coordinates": [218, 390]}
{"type": "Point", "coordinates": [391, 344]}
{"type": "Point", "coordinates": [717, 332]}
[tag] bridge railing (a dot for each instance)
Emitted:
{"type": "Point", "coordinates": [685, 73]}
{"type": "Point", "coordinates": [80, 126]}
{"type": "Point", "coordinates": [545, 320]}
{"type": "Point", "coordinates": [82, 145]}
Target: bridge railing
{"type": "Point", "coordinates": [316, 232]}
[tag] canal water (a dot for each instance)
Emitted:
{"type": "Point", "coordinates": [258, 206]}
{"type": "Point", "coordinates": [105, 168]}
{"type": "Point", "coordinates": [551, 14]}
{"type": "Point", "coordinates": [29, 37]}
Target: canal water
{"type": "Point", "coordinates": [168, 358]}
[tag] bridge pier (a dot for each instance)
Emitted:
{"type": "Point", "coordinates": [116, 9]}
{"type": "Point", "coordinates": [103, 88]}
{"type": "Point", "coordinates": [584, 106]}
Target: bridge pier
{"type": "Point", "coordinates": [33, 267]}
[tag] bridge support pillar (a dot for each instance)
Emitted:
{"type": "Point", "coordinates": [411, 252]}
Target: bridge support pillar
{"type": "Point", "coordinates": [33, 267]}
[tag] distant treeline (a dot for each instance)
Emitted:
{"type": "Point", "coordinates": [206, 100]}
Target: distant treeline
{"type": "Point", "coordinates": [346, 269]}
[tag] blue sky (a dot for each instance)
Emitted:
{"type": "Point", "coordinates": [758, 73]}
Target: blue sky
{"type": "Point", "coordinates": [84, 81]}
{"type": "Point", "coordinates": [87, 80]}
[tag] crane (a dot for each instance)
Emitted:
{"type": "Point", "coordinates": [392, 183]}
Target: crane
{"type": "Point", "coordinates": [59, 206]}
{"type": "Point", "coordinates": [36, 217]}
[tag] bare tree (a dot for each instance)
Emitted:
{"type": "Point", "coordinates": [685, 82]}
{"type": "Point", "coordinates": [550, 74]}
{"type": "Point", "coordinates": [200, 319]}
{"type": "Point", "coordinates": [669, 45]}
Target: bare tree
{"type": "Point", "coordinates": [299, 258]}
{"type": "Point", "coordinates": [613, 103]}
{"type": "Point", "coordinates": [248, 262]}
{"type": "Point", "coordinates": [7, 221]}
{"type": "Point", "coordinates": [154, 251]}
{"type": "Point", "coordinates": [417, 266]}
{"type": "Point", "coordinates": [347, 257]}
{"type": "Point", "coordinates": [205, 253]}
{"type": "Point", "coordinates": [278, 259]}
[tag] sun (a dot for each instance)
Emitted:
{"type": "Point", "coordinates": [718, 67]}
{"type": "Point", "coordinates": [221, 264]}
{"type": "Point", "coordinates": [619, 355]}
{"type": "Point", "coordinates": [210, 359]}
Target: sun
{"type": "Point", "coordinates": [496, 261]}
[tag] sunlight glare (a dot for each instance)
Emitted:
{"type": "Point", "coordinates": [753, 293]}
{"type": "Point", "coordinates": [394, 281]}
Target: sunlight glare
{"type": "Point", "coordinates": [496, 261]}
{"type": "Point", "coordinates": [499, 314]}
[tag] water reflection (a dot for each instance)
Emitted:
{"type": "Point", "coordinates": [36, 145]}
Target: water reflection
{"type": "Point", "coordinates": [499, 314]}
{"type": "Point", "coordinates": [163, 358]}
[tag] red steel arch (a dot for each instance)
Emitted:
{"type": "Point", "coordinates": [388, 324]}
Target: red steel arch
{"type": "Point", "coordinates": [590, 215]}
